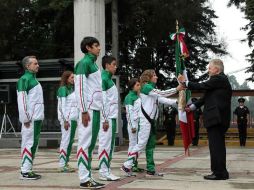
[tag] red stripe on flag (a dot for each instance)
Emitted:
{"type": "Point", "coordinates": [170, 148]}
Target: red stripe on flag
{"type": "Point", "coordinates": [188, 130]}
{"type": "Point", "coordinates": [184, 49]}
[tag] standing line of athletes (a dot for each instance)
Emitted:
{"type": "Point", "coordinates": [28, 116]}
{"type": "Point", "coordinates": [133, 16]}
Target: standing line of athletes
{"type": "Point", "coordinates": [92, 108]}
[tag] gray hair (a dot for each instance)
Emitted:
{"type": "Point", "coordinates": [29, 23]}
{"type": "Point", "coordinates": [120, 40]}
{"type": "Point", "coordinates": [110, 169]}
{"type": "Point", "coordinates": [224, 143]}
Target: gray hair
{"type": "Point", "coordinates": [26, 60]}
{"type": "Point", "coordinates": [218, 63]}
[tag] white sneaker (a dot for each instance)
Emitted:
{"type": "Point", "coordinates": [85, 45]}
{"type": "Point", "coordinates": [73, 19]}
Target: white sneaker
{"type": "Point", "coordinates": [109, 177]}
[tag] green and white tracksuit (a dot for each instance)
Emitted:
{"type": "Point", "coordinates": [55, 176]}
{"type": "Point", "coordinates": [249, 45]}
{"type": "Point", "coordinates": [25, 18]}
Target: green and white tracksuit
{"type": "Point", "coordinates": [67, 111]}
{"type": "Point", "coordinates": [31, 109]}
{"type": "Point", "coordinates": [88, 90]}
{"type": "Point", "coordinates": [150, 97]}
{"type": "Point", "coordinates": [133, 107]}
{"type": "Point", "coordinates": [110, 114]}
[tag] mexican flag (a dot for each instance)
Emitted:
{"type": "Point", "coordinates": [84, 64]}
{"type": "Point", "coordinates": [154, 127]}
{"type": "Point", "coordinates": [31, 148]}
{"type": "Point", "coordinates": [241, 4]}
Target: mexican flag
{"type": "Point", "coordinates": [185, 118]}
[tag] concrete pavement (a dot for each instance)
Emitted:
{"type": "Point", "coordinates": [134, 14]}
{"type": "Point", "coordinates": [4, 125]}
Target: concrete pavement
{"type": "Point", "coordinates": [181, 173]}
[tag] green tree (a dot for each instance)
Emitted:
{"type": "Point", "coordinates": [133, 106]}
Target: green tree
{"type": "Point", "coordinates": [40, 27]}
{"type": "Point", "coordinates": [234, 84]}
{"type": "Point", "coordinates": [144, 27]}
{"type": "Point", "coordinates": [246, 6]}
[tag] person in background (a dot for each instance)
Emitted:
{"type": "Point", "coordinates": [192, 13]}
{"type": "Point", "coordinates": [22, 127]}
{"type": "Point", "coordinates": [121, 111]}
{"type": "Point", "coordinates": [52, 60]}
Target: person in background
{"type": "Point", "coordinates": [197, 117]}
{"type": "Point", "coordinates": [242, 113]}
{"type": "Point", "coordinates": [125, 123]}
{"type": "Point", "coordinates": [67, 115]}
{"type": "Point", "coordinates": [170, 118]}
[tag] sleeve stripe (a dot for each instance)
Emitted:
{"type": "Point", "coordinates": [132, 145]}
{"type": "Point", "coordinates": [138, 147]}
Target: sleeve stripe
{"type": "Point", "coordinates": [60, 109]}
{"type": "Point", "coordinates": [24, 105]}
{"type": "Point", "coordinates": [130, 118]}
{"type": "Point", "coordinates": [169, 92]}
{"type": "Point", "coordinates": [80, 92]}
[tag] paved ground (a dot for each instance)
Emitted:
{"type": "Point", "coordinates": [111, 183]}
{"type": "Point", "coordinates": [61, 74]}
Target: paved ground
{"type": "Point", "coordinates": [181, 173]}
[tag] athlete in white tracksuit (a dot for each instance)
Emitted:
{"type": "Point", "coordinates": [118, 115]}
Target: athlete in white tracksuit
{"type": "Point", "coordinates": [150, 98]}
{"type": "Point", "coordinates": [132, 104]}
{"type": "Point", "coordinates": [109, 119]}
{"type": "Point", "coordinates": [31, 115]}
{"type": "Point", "coordinates": [67, 116]}
{"type": "Point", "coordinates": [88, 90]}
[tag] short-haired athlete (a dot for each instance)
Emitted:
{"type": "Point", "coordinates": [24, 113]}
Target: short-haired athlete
{"type": "Point", "coordinates": [88, 91]}
{"type": "Point", "coordinates": [109, 119]}
{"type": "Point", "coordinates": [31, 115]}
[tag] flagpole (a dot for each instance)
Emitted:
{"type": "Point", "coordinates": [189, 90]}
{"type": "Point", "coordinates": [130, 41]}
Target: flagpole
{"type": "Point", "coordinates": [177, 26]}
{"type": "Point", "coordinates": [182, 94]}
{"type": "Point", "coordinates": [185, 119]}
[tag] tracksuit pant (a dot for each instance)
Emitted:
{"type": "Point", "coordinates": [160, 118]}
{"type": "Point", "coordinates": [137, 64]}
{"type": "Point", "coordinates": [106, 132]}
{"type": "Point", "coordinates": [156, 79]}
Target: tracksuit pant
{"type": "Point", "coordinates": [133, 140]}
{"type": "Point", "coordinates": [87, 137]}
{"type": "Point", "coordinates": [242, 129]}
{"type": "Point", "coordinates": [106, 146]}
{"type": "Point", "coordinates": [66, 143]}
{"type": "Point", "coordinates": [29, 144]}
{"type": "Point", "coordinates": [146, 140]}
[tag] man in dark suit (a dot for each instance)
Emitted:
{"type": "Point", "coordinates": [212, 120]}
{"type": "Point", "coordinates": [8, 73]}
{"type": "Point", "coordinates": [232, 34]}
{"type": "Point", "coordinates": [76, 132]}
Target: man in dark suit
{"type": "Point", "coordinates": [216, 114]}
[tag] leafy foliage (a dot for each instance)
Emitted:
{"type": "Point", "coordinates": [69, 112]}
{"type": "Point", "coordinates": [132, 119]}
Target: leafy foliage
{"type": "Point", "coordinates": [36, 27]}
{"type": "Point", "coordinates": [144, 27]}
{"type": "Point", "coordinates": [45, 28]}
{"type": "Point", "coordinates": [247, 7]}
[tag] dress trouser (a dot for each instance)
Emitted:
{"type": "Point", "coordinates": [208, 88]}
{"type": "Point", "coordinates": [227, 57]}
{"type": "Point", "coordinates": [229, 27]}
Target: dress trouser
{"type": "Point", "coordinates": [242, 129]}
{"type": "Point", "coordinates": [171, 132]}
{"type": "Point", "coordinates": [66, 143]}
{"type": "Point", "coordinates": [196, 138]}
{"type": "Point", "coordinates": [216, 137]}
{"type": "Point", "coordinates": [29, 145]}
{"type": "Point", "coordinates": [106, 146]}
{"type": "Point", "coordinates": [87, 137]}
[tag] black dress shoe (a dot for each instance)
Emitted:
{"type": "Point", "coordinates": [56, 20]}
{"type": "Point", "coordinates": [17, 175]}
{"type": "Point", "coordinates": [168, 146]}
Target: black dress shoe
{"type": "Point", "coordinates": [214, 177]}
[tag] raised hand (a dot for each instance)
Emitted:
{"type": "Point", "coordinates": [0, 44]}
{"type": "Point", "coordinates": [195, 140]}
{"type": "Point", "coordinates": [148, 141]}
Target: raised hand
{"type": "Point", "coordinates": [181, 78]}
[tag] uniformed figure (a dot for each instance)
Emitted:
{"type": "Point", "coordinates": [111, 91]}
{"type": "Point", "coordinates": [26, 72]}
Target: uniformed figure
{"type": "Point", "coordinates": [197, 115]}
{"type": "Point", "coordinates": [242, 113]}
{"type": "Point", "coordinates": [88, 90]}
{"type": "Point", "coordinates": [67, 111]}
{"type": "Point", "coordinates": [170, 114]}
{"type": "Point", "coordinates": [31, 115]}
{"type": "Point", "coordinates": [108, 120]}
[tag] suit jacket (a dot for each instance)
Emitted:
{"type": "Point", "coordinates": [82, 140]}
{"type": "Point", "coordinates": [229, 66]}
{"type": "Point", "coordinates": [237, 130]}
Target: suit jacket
{"type": "Point", "coordinates": [216, 100]}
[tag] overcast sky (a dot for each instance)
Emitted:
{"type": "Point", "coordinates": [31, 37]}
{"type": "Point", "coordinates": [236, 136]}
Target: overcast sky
{"type": "Point", "coordinates": [229, 26]}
